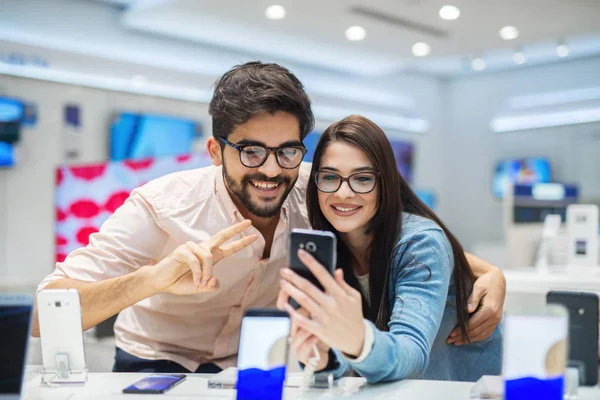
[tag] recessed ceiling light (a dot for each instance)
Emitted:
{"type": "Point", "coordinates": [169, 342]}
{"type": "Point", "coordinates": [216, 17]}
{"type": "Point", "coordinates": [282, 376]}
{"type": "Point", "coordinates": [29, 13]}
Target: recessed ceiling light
{"type": "Point", "coordinates": [478, 64]}
{"type": "Point", "coordinates": [519, 57]}
{"type": "Point", "coordinates": [449, 12]}
{"type": "Point", "coordinates": [562, 50]}
{"type": "Point", "coordinates": [421, 49]}
{"type": "Point", "coordinates": [509, 33]}
{"type": "Point", "coordinates": [275, 12]}
{"type": "Point", "coordinates": [355, 33]}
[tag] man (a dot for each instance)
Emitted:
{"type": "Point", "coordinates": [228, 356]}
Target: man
{"type": "Point", "coordinates": [184, 313]}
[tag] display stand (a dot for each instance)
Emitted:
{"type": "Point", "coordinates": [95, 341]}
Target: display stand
{"type": "Point", "coordinates": [62, 372]}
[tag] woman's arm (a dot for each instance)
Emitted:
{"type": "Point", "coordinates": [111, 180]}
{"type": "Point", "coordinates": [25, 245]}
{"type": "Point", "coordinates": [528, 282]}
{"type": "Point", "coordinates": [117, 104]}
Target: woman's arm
{"type": "Point", "coordinates": [422, 269]}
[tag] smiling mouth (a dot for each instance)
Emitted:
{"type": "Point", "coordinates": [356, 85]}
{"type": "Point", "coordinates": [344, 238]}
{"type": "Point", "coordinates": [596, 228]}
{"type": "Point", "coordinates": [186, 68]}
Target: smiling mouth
{"type": "Point", "coordinates": [265, 186]}
{"type": "Point", "coordinates": [346, 209]}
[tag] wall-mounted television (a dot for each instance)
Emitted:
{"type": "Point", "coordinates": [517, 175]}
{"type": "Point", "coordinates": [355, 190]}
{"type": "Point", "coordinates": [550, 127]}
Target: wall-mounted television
{"type": "Point", "coordinates": [11, 114]}
{"type": "Point", "coordinates": [137, 136]}
{"type": "Point", "coordinates": [7, 155]}
{"type": "Point", "coordinates": [524, 171]}
{"type": "Point", "coordinates": [310, 142]}
{"type": "Point", "coordinates": [404, 153]}
{"type": "Point", "coordinates": [428, 197]}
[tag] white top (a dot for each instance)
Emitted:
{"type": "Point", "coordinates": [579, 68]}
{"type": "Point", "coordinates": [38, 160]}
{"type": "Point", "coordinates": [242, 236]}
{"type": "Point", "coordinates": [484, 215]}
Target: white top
{"type": "Point", "coordinates": [363, 282]}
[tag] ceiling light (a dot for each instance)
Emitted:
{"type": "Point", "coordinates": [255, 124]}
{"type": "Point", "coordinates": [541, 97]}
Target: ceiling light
{"type": "Point", "coordinates": [275, 12]}
{"type": "Point", "coordinates": [545, 120]}
{"type": "Point", "coordinates": [355, 33]}
{"type": "Point", "coordinates": [386, 120]}
{"type": "Point", "coordinates": [421, 49]}
{"type": "Point", "coordinates": [519, 57]}
{"type": "Point", "coordinates": [138, 81]}
{"type": "Point", "coordinates": [562, 50]}
{"type": "Point", "coordinates": [449, 13]}
{"type": "Point", "coordinates": [478, 64]}
{"type": "Point", "coordinates": [107, 83]}
{"type": "Point", "coordinates": [545, 99]}
{"type": "Point", "coordinates": [509, 33]}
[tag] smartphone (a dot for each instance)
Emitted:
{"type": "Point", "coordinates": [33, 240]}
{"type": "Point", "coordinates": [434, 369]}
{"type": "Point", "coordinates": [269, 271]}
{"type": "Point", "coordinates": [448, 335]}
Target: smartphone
{"type": "Point", "coordinates": [321, 244]}
{"type": "Point", "coordinates": [534, 355]}
{"type": "Point", "coordinates": [155, 384]}
{"type": "Point", "coordinates": [15, 325]}
{"type": "Point", "coordinates": [583, 331]}
{"type": "Point", "coordinates": [262, 354]}
{"type": "Point", "coordinates": [61, 330]}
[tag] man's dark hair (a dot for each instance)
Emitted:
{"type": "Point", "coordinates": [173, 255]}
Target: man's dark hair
{"type": "Point", "coordinates": [254, 88]}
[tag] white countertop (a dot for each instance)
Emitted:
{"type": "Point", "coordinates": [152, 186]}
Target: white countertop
{"type": "Point", "coordinates": [109, 386]}
{"type": "Point", "coordinates": [580, 279]}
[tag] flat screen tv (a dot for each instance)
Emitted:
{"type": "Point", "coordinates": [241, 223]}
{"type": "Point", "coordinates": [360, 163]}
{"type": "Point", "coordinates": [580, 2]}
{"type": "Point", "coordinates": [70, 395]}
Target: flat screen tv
{"type": "Point", "coordinates": [404, 153]}
{"type": "Point", "coordinates": [137, 136]}
{"type": "Point", "coordinates": [525, 171]}
{"type": "Point", "coordinates": [7, 155]}
{"type": "Point", "coordinates": [310, 142]}
{"type": "Point", "coordinates": [428, 197]}
{"type": "Point", "coordinates": [11, 114]}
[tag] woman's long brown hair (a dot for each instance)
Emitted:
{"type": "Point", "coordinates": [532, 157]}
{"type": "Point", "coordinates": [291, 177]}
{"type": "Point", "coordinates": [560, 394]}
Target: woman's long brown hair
{"type": "Point", "coordinates": [394, 198]}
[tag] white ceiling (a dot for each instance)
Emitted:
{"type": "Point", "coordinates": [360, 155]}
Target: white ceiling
{"type": "Point", "coordinates": [313, 31]}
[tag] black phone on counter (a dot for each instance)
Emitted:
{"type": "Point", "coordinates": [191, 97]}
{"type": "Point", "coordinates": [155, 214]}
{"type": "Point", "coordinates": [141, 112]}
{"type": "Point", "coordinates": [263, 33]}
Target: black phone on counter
{"type": "Point", "coordinates": [322, 245]}
{"type": "Point", "coordinates": [155, 384]}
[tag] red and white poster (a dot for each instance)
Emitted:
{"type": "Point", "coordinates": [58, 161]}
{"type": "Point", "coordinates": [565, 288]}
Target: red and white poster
{"type": "Point", "coordinates": [86, 195]}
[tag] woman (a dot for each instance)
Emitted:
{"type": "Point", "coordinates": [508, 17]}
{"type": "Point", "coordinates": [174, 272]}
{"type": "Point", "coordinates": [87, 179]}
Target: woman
{"type": "Point", "coordinates": [402, 281]}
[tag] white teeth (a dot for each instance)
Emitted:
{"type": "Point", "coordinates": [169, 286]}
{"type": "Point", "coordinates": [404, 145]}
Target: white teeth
{"type": "Point", "coordinates": [265, 185]}
{"type": "Point", "coordinates": [345, 209]}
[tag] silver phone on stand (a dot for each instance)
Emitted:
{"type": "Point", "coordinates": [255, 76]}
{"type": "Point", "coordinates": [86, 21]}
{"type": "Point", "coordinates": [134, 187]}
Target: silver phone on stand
{"type": "Point", "coordinates": [61, 332]}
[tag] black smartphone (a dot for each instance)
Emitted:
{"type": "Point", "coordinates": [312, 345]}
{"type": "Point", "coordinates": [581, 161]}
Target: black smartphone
{"type": "Point", "coordinates": [155, 384]}
{"type": "Point", "coordinates": [583, 331]}
{"type": "Point", "coordinates": [322, 245]}
{"type": "Point", "coordinates": [262, 354]}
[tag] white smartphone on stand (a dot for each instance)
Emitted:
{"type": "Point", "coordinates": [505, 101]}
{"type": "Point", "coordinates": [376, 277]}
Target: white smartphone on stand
{"type": "Point", "coordinates": [534, 354]}
{"type": "Point", "coordinates": [263, 353]}
{"type": "Point", "coordinates": [61, 332]}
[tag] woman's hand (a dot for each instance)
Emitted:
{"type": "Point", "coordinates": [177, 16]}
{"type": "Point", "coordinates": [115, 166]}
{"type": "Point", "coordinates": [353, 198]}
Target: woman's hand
{"type": "Point", "coordinates": [337, 317]}
{"type": "Point", "coordinates": [303, 343]}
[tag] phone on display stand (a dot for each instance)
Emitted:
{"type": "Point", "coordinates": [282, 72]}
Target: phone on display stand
{"type": "Point", "coordinates": [322, 245]}
{"type": "Point", "coordinates": [61, 334]}
{"type": "Point", "coordinates": [263, 354]}
{"type": "Point", "coordinates": [155, 384]}
{"type": "Point", "coordinates": [534, 353]}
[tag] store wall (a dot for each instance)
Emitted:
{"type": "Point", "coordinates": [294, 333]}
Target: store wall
{"type": "Point", "coordinates": [27, 190]}
{"type": "Point", "coordinates": [455, 159]}
{"type": "Point", "coordinates": [471, 149]}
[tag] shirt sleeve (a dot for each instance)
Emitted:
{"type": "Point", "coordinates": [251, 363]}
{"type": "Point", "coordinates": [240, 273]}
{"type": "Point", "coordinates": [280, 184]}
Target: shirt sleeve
{"type": "Point", "coordinates": [423, 267]}
{"type": "Point", "coordinates": [128, 239]}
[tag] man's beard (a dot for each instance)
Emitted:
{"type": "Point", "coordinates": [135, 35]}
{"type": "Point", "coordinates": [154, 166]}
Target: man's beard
{"type": "Point", "coordinates": [242, 192]}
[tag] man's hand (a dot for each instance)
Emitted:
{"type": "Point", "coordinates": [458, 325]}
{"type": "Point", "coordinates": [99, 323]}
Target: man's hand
{"type": "Point", "coordinates": [188, 269]}
{"type": "Point", "coordinates": [487, 301]}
